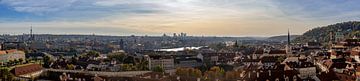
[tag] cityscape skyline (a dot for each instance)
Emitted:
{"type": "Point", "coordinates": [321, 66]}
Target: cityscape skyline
{"type": "Point", "coordinates": [195, 17]}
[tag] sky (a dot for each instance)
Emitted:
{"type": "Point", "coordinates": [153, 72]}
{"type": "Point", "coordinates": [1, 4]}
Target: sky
{"type": "Point", "coordinates": [156, 17]}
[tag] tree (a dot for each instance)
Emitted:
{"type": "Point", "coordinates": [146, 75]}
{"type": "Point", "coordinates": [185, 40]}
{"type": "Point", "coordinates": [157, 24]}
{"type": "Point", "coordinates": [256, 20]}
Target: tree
{"type": "Point", "coordinates": [129, 60]}
{"type": "Point", "coordinates": [21, 60]}
{"type": "Point", "coordinates": [16, 61]}
{"type": "Point", "coordinates": [180, 72]}
{"type": "Point", "coordinates": [188, 72]}
{"type": "Point", "coordinates": [119, 56]}
{"type": "Point", "coordinates": [195, 72]}
{"type": "Point", "coordinates": [158, 69]}
{"type": "Point", "coordinates": [215, 72]}
{"type": "Point", "coordinates": [93, 54]}
{"type": "Point", "coordinates": [6, 75]}
{"type": "Point", "coordinates": [142, 64]}
{"type": "Point", "coordinates": [128, 67]}
{"type": "Point", "coordinates": [280, 59]}
{"type": "Point", "coordinates": [11, 62]}
{"type": "Point", "coordinates": [47, 61]}
{"type": "Point", "coordinates": [70, 66]}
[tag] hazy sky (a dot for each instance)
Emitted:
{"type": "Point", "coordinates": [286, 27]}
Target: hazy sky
{"type": "Point", "coordinates": [155, 17]}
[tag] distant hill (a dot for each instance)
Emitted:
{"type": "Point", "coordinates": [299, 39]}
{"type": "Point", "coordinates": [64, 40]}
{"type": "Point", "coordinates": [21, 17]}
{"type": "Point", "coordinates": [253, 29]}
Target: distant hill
{"type": "Point", "coordinates": [322, 34]}
{"type": "Point", "coordinates": [282, 37]}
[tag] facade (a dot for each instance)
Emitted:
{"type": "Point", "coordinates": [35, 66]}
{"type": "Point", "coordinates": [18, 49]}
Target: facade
{"type": "Point", "coordinates": [276, 52]}
{"type": "Point", "coordinates": [7, 55]}
{"type": "Point", "coordinates": [189, 62]}
{"type": "Point", "coordinates": [218, 57]}
{"type": "Point", "coordinates": [307, 72]}
{"type": "Point", "coordinates": [165, 62]}
{"type": "Point", "coordinates": [338, 36]}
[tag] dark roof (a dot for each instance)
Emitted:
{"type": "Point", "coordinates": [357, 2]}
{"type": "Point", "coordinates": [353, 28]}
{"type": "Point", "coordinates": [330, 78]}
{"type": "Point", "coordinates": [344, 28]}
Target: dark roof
{"type": "Point", "coordinates": [187, 59]}
{"type": "Point", "coordinates": [300, 64]}
{"type": "Point", "coordinates": [352, 40]}
{"type": "Point", "coordinates": [259, 51]}
{"type": "Point", "coordinates": [277, 52]}
{"type": "Point", "coordinates": [314, 44]}
{"type": "Point", "coordinates": [339, 60]}
{"type": "Point", "coordinates": [250, 60]}
{"type": "Point", "coordinates": [270, 59]}
{"type": "Point", "coordinates": [339, 65]}
{"type": "Point", "coordinates": [160, 57]}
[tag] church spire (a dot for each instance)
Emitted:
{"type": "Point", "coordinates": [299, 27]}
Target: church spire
{"type": "Point", "coordinates": [288, 45]}
{"type": "Point", "coordinates": [31, 33]}
{"type": "Point", "coordinates": [288, 38]}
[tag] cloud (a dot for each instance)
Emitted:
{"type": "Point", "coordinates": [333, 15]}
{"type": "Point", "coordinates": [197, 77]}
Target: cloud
{"type": "Point", "coordinates": [210, 17]}
{"type": "Point", "coordinates": [38, 6]}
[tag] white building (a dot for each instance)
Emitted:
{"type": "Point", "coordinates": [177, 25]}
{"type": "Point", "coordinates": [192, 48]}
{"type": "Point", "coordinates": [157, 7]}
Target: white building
{"type": "Point", "coordinates": [165, 62]}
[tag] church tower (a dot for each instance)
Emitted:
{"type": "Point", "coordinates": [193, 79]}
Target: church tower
{"type": "Point", "coordinates": [288, 45]}
{"type": "Point", "coordinates": [31, 38]}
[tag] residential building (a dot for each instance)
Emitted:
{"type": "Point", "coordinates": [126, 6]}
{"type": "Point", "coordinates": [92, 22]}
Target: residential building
{"type": "Point", "coordinates": [166, 62]}
{"type": "Point", "coordinates": [14, 54]}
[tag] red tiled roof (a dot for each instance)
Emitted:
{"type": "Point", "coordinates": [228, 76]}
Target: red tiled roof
{"type": "Point", "coordinates": [3, 52]}
{"type": "Point", "coordinates": [11, 51]}
{"type": "Point", "coordinates": [26, 69]}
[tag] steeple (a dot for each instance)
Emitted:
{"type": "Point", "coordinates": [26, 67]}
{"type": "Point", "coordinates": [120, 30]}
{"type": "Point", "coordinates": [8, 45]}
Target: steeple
{"type": "Point", "coordinates": [288, 38]}
{"type": "Point", "coordinates": [30, 30]}
{"type": "Point", "coordinates": [288, 45]}
{"type": "Point", "coordinates": [31, 34]}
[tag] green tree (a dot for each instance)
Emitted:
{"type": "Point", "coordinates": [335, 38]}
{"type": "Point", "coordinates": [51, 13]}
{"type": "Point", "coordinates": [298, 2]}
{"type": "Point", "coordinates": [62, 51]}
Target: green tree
{"type": "Point", "coordinates": [11, 62]}
{"type": "Point", "coordinates": [128, 67]}
{"type": "Point", "coordinates": [21, 60]}
{"type": "Point", "coordinates": [47, 61]}
{"type": "Point", "coordinates": [280, 59]}
{"type": "Point", "coordinates": [16, 61]}
{"type": "Point", "coordinates": [158, 69]}
{"type": "Point", "coordinates": [93, 54]}
{"type": "Point", "coordinates": [129, 60]}
{"type": "Point", "coordinates": [70, 66]}
{"type": "Point", "coordinates": [142, 64]}
{"type": "Point", "coordinates": [119, 56]}
{"type": "Point", "coordinates": [6, 75]}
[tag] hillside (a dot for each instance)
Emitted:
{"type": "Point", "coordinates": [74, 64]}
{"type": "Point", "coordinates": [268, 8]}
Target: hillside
{"type": "Point", "coordinates": [282, 37]}
{"type": "Point", "coordinates": [322, 34]}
